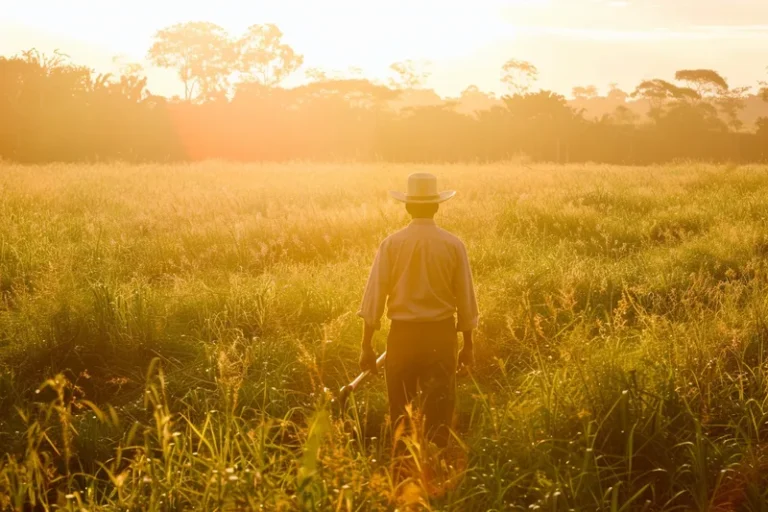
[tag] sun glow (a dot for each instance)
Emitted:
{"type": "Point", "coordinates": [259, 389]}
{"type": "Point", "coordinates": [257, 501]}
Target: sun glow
{"type": "Point", "coordinates": [466, 43]}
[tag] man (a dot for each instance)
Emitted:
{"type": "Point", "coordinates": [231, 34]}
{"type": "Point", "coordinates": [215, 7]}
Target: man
{"type": "Point", "coordinates": [422, 274]}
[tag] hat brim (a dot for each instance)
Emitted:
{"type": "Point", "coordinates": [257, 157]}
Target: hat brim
{"type": "Point", "coordinates": [440, 198]}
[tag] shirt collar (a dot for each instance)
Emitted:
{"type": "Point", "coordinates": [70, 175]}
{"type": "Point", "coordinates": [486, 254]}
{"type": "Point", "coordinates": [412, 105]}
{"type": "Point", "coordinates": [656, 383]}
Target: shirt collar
{"type": "Point", "coordinates": [423, 222]}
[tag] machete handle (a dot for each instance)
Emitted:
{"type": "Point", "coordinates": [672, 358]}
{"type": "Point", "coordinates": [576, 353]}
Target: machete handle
{"type": "Point", "coordinates": [349, 388]}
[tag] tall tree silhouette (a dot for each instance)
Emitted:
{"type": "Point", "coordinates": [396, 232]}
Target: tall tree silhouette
{"type": "Point", "coordinates": [519, 75]}
{"type": "Point", "coordinates": [263, 58]}
{"type": "Point", "coordinates": [201, 52]}
{"type": "Point", "coordinates": [658, 92]}
{"type": "Point", "coordinates": [705, 82]}
{"type": "Point", "coordinates": [713, 89]}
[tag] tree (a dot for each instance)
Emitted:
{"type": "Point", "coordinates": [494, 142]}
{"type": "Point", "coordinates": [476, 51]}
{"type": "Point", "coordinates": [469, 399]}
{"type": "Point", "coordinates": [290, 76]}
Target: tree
{"type": "Point", "coordinates": [731, 103]}
{"type": "Point", "coordinates": [201, 52]}
{"type": "Point", "coordinates": [472, 100]}
{"type": "Point", "coordinates": [585, 93]}
{"type": "Point", "coordinates": [658, 92]}
{"type": "Point", "coordinates": [541, 105]}
{"type": "Point", "coordinates": [264, 58]}
{"type": "Point", "coordinates": [133, 81]}
{"type": "Point", "coordinates": [684, 118]}
{"type": "Point", "coordinates": [519, 75]}
{"type": "Point", "coordinates": [544, 123]}
{"type": "Point", "coordinates": [764, 89]}
{"type": "Point", "coordinates": [762, 128]}
{"type": "Point", "coordinates": [63, 81]}
{"type": "Point", "coordinates": [622, 116]}
{"type": "Point", "coordinates": [616, 94]}
{"type": "Point", "coordinates": [703, 81]}
{"type": "Point", "coordinates": [409, 74]}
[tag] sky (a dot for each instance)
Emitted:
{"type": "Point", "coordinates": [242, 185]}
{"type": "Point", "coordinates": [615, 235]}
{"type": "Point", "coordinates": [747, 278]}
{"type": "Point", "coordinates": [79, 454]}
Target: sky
{"type": "Point", "coordinates": [572, 42]}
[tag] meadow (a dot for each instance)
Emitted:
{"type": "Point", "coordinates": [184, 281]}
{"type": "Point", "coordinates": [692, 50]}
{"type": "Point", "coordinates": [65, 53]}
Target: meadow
{"type": "Point", "coordinates": [172, 337]}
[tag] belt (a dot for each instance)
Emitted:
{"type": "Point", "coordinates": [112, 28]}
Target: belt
{"type": "Point", "coordinates": [426, 323]}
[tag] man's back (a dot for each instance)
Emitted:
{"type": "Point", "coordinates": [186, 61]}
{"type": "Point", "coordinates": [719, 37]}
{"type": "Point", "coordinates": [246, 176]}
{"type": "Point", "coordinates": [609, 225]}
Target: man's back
{"type": "Point", "coordinates": [423, 273]}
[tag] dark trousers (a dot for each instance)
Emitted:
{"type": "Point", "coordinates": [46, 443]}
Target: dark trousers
{"type": "Point", "coordinates": [421, 369]}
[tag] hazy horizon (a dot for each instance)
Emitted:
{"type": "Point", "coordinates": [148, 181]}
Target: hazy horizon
{"type": "Point", "coordinates": [574, 42]}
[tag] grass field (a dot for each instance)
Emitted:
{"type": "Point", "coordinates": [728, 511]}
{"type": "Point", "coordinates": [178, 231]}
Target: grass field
{"type": "Point", "coordinates": [171, 338]}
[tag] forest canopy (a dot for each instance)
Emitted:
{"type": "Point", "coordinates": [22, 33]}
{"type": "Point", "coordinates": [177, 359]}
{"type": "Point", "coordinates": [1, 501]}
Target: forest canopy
{"type": "Point", "coordinates": [233, 105]}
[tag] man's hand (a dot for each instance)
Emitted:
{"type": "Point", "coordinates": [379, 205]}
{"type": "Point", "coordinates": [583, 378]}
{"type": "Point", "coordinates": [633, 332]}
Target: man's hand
{"type": "Point", "coordinates": [467, 354]}
{"type": "Point", "coordinates": [367, 354]}
{"type": "Point", "coordinates": [466, 357]}
{"type": "Point", "coordinates": [368, 360]}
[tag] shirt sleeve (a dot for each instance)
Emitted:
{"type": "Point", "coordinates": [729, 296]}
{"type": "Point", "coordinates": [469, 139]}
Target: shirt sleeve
{"type": "Point", "coordinates": [376, 290]}
{"type": "Point", "coordinates": [466, 304]}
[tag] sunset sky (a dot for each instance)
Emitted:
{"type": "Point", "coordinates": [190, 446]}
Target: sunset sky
{"type": "Point", "coordinates": [572, 42]}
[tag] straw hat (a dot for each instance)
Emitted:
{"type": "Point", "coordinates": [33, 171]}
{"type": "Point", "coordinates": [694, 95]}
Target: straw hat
{"type": "Point", "coordinates": [422, 189]}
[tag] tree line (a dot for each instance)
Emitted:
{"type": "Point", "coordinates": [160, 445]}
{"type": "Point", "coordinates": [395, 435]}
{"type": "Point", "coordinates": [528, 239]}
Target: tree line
{"type": "Point", "coordinates": [235, 106]}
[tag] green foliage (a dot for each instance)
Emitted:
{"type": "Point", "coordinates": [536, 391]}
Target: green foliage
{"type": "Point", "coordinates": [190, 325]}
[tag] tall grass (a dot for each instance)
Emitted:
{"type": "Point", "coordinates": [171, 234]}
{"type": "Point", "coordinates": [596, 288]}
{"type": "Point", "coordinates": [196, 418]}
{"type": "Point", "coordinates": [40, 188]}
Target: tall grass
{"type": "Point", "coordinates": [172, 337]}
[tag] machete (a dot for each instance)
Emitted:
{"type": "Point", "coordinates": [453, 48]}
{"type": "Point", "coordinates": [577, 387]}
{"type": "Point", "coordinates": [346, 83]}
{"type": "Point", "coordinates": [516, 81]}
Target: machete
{"type": "Point", "coordinates": [349, 388]}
